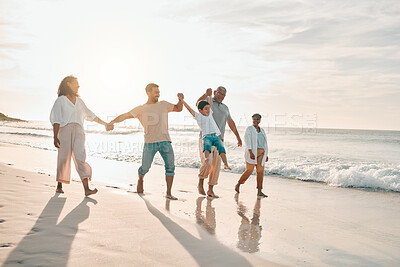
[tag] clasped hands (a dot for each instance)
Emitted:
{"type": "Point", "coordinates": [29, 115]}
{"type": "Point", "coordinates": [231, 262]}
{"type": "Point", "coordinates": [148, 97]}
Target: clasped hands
{"type": "Point", "coordinates": [109, 126]}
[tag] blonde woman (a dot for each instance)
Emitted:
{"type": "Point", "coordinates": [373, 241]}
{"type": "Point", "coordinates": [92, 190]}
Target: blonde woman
{"type": "Point", "coordinates": [256, 154]}
{"type": "Point", "coordinates": [67, 117]}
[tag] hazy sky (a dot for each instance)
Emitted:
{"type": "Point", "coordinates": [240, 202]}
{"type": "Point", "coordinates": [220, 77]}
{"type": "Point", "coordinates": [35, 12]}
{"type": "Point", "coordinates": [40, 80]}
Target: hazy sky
{"type": "Point", "coordinates": [287, 60]}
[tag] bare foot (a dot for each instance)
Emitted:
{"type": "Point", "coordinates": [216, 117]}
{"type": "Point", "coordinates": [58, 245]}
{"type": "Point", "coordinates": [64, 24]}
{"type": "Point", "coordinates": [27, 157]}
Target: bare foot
{"type": "Point", "coordinates": [212, 194]}
{"type": "Point", "coordinates": [207, 159]}
{"type": "Point", "coordinates": [171, 197]}
{"type": "Point", "coordinates": [139, 187]}
{"type": "Point", "coordinates": [261, 194]}
{"type": "Point", "coordinates": [237, 188]}
{"type": "Point", "coordinates": [91, 192]}
{"type": "Point", "coordinates": [201, 190]}
{"type": "Point", "coordinates": [59, 190]}
{"type": "Point", "coordinates": [226, 167]}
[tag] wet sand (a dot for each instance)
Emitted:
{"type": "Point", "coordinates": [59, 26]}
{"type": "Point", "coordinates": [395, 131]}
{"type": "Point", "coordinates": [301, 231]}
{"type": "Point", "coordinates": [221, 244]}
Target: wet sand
{"type": "Point", "coordinates": [298, 224]}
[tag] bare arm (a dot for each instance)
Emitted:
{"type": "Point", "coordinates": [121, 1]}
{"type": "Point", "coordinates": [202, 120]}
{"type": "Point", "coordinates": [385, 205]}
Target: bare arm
{"type": "Point", "coordinates": [121, 118]}
{"type": "Point", "coordinates": [56, 129]}
{"type": "Point", "coordinates": [188, 107]}
{"type": "Point", "coordinates": [232, 126]}
{"type": "Point", "coordinates": [178, 107]}
{"type": "Point", "coordinates": [205, 95]}
{"type": "Point", "coordinates": [181, 100]}
{"type": "Point", "coordinates": [100, 121]}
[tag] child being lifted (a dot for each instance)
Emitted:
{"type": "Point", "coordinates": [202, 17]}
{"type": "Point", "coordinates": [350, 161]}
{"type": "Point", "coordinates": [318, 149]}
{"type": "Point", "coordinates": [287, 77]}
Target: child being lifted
{"type": "Point", "coordinates": [209, 129]}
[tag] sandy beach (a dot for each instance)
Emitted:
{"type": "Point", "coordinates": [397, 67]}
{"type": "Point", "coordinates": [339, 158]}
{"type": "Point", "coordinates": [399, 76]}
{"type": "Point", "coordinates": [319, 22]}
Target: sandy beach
{"type": "Point", "coordinates": [298, 224]}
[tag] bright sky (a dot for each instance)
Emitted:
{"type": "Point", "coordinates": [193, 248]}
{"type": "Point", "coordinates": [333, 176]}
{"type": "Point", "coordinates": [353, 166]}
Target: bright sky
{"type": "Point", "coordinates": [287, 60]}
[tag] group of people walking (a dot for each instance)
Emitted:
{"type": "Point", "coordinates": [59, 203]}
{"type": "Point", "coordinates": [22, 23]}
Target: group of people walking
{"type": "Point", "coordinates": [69, 112]}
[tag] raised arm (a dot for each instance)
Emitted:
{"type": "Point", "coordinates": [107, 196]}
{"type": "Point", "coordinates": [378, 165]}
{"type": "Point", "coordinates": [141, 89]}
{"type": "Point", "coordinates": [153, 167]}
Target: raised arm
{"type": "Point", "coordinates": [181, 99]}
{"type": "Point", "coordinates": [204, 96]}
{"type": "Point", "coordinates": [209, 95]}
{"type": "Point", "coordinates": [179, 106]}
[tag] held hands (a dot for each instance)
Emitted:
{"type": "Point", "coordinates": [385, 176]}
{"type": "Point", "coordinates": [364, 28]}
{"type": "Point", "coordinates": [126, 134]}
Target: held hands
{"type": "Point", "coordinates": [56, 142]}
{"type": "Point", "coordinates": [180, 96]}
{"type": "Point", "coordinates": [209, 92]}
{"type": "Point", "coordinates": [109, 126]}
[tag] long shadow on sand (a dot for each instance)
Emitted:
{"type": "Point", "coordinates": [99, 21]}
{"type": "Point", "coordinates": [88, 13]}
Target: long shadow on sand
{"type": "Point", "coordinates": [49, 243]}
{"type": "Point", "coordinates": [207, 251]}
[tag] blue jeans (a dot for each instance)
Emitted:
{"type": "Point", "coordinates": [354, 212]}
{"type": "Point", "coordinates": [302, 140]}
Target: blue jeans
{"type": "Point", "coordinates": [213, 140]}
{"type": "Point", "coordinates": [167, 153]}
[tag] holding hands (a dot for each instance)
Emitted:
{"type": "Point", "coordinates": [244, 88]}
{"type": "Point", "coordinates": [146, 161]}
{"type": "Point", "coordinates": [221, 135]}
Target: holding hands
{"type": "Point", "coordinates": [109, 126]}
{"type": "Point", "coordinates": [209, 92]}
{"type": "Point", "coordinates": [180, 96]}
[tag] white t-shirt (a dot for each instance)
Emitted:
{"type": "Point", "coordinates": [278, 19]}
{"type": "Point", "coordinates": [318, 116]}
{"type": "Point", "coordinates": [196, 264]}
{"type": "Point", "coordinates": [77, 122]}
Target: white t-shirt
{"type": "Point", "coordinates": [207, 124]}
{"type": "Point", "coordinates": [64, 112]}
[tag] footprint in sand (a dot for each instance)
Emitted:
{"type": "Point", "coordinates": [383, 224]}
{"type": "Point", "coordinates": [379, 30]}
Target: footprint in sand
{"type": "Point", "coordinates": [184, 191]}
{"type": "Point", "coordinates": [6, 245]}
{"type": "Point", "coordinates": [20, 176]}
{"type": "Point", "coordinates": [115, 187]}
{"type": "Point", "coordinates": [1, 220]}
{"type": "Point", "coordinates": [26, 181]}
{"type": "Point", "coordinates": [34, 230]}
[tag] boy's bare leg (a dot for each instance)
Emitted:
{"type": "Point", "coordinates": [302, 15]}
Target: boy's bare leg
{"type": "Point", "coordinates": [210, 192]}
{"type": "Point", "coordinates": [207, 155]}
{"type": "Point", "coordinates": [225, 161]}
{"type": "Point", "coordinates": [59, 188]}
{"type": "Point", "coordinates": [170, 180]}
{"type": "Point", "coordinates": [139, 187]}
{"type": "Point", "coordinates": [88, 191]}
{"type": "Point", "coordinates": [200, 186]}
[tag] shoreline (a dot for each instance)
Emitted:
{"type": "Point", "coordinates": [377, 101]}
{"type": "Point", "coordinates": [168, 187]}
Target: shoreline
{"type": "Point", "coordinates": [364, 189]}
{"type": "Point", "coordinates": [298, 224]}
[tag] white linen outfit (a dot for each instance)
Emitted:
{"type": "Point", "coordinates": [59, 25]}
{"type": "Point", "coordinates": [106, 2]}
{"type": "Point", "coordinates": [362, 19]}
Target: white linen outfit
{"type": "Point", "coordinates": [72, 137]}
{"type": "Point", "coordinates": [260, 151]}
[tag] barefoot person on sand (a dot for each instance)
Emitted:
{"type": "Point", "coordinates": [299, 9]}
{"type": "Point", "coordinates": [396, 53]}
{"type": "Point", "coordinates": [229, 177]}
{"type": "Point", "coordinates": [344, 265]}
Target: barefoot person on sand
{"type": "Point", "coordinates": [221, 115]}
{"type": "Point", "coordinates": [153, 116]}
{"type": "Point", "coordinates": [209, 130]}
{"type": "Point", "coordinates": [67, 116]}
{"type": "Point", "coordinates": [256, 154]}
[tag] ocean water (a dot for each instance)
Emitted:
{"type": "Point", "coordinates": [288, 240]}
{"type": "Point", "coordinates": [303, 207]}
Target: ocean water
{"type": "Point", "coordinates": [342, 158]}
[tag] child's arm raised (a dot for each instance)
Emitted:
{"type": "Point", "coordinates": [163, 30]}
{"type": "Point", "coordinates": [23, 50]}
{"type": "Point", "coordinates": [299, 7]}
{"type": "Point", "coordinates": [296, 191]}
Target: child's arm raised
{"type": "Point", "coordinates": [181, 97]}
{"type": "Point", "coordinates": [209, 95]}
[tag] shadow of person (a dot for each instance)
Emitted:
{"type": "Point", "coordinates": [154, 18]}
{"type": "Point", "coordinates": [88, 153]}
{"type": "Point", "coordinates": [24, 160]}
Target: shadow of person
{"type": "Point", "coordinates": [249, 232]}
{"type": "Point", "coordinates": [205, 251]}
{"type": "Point", "coordinates": [49, 243]}
{"type": "Point", "coordinates": [208, 222]}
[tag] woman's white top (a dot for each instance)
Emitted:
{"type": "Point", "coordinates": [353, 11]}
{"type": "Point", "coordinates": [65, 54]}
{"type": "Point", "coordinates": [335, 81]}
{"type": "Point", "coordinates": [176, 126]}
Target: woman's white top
{"type": "Point", "coordinates": [65, 112]}
{"type": "Point", "coordinates": [207, 124]}
{"type": "Point", "coordinates": [250, 140]}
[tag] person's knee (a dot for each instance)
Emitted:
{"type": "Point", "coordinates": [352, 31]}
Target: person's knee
{"type": "Point", "coordinates": [170, 170]}
{"type": "Point", "coordinates": [142, 171]}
